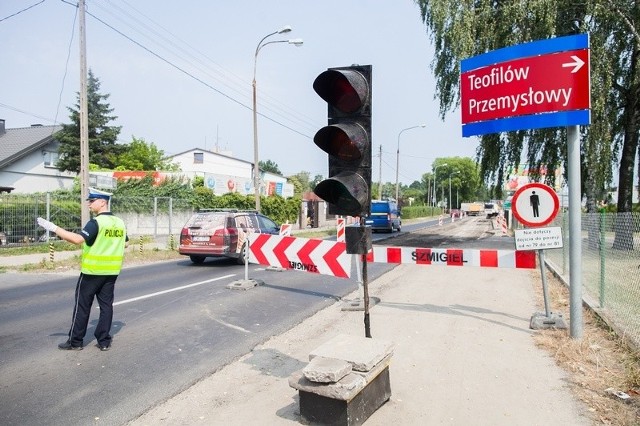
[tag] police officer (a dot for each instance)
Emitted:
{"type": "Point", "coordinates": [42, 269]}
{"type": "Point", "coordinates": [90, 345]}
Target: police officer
{"type": "Point", "coordinates": [103, 241]}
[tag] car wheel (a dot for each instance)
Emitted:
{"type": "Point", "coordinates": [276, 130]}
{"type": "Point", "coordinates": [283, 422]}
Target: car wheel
{"type": "Point", "coordinates": [197, 259]}
{"type": "Point", "coordinates": [242, 255]}
{"type": "Point", "coordinates": [399, 226]}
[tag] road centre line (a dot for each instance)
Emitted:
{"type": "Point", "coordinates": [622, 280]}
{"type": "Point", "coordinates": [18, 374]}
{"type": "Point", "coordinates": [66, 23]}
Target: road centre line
{"type": "Point", "coordinates": [147, 296]}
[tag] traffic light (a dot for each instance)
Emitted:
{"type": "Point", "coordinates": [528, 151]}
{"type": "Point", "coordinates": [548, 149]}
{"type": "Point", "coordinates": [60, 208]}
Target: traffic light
{"type": "Point", "coordinates": [347, 139]}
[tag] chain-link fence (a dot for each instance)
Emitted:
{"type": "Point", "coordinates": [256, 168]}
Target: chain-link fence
{"type": "Point", "coordinates": [610, 267]}
{"type": "Point", "coordinates": [153, 216]}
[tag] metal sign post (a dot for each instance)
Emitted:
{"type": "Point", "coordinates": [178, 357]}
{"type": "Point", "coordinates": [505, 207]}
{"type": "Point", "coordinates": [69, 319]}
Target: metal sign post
{"type": "Point", "coordinates": [536, 205]}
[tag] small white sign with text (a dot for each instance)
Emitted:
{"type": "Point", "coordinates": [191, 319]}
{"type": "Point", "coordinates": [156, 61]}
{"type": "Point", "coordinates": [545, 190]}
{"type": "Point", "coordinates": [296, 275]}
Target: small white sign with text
{"type": "Point", "coordinates": [538, 238]}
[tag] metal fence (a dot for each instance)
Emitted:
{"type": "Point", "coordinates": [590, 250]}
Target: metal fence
{"type": "Point", "coordinates": [154, 216]}
{"type": "Point", "coordinates": [610, 267]}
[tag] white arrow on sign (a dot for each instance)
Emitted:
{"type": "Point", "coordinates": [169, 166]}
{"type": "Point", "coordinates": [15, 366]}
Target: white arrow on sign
{"type": "Point", "coordinates": [576, 65]}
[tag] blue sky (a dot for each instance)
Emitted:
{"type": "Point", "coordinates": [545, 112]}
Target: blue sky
{"type": "Point", "coordinates": [189, 85]}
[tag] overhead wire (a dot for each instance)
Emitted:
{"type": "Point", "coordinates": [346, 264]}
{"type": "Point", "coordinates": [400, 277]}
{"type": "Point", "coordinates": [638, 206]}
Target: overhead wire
{"type": "Point", "coordinates": [20, 11]}
{"type": "Point", "coordinates": [66, 68]}
{"type": "Point", "coordinates": [189, 58]}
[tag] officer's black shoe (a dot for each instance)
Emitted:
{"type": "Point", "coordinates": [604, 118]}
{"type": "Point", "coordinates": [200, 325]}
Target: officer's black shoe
{"type": "Point", "coordinates": [67, 346]}
{"type": "Point", "coordinates": [104, 348]}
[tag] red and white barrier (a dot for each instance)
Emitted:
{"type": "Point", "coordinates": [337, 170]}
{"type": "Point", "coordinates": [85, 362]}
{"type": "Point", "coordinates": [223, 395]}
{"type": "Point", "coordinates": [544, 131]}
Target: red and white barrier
{"type": "Point", "coordinates": [454, 257]}
{"type": "Point", "coordinates": [331, 258]}
{"type": "Point", "coordinates": [502, 223]}
{"type": "Point", "coordinates": [302, 254]}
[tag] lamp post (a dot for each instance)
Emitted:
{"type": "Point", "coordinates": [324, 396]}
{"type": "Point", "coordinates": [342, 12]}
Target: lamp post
{"type": "Point", "coordinates": [398, 157]}
{"type": "Point", "coordinates": [454, 173]}
{"type": "Point", "coordinates": [256, 167]}
{"type": "Point", "coordinates": [435, 180]}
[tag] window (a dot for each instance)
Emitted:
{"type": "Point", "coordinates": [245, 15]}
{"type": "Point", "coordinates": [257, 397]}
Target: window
{"type": "Point", "coordinates": [50, 158]}
{"type": "Point", "coordinates": [198, 157]}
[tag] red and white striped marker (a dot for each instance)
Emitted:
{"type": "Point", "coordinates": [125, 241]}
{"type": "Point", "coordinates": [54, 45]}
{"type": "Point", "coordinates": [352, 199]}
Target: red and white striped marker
{"type": "Point", "coordinates": [285, 229]}
{"type": "Point", "coordinates": [340, 224]}
{"type": "Point", "coordinates": [440, 221]}
{"type": "Point", "coordinates": [454, 257]}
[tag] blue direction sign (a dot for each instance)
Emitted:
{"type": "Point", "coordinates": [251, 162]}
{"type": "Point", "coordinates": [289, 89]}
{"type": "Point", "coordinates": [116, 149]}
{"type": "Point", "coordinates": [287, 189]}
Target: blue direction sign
{"type": "Point", "coordinates": [544, 83]}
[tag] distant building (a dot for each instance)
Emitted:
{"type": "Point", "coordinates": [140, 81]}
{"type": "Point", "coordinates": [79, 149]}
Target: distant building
{"type": "Point", "coordinates": [222, 173]}
{"type": "Point", "coordinates": [28, 158]}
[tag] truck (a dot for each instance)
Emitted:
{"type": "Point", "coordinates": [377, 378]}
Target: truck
{"type": "Point", "coordinates": [472, 209]}
{"type": "Point", "coordinates": [490, 210]}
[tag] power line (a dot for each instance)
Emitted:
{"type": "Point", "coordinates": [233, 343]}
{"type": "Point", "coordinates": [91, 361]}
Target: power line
{"type": "Point", "coordinates": [20, 11]}
{"type": "Point", "coordinates": [182, 54]}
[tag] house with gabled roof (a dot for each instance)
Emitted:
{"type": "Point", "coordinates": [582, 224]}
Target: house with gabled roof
{"type": "Point", "coordinates": [28, 157]}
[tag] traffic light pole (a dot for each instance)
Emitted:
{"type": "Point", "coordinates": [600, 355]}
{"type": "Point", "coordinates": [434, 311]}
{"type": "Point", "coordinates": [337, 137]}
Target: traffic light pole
{"type": "Point", "coordinates": [347, 141]}
{"type": "Point", "coordinates": [365, 287]}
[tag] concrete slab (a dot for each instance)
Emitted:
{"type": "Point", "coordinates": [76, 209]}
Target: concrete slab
{"type": "Point", "coordinates": [326, 370]}
{"type": "Point", "coordinates": [361, 352]}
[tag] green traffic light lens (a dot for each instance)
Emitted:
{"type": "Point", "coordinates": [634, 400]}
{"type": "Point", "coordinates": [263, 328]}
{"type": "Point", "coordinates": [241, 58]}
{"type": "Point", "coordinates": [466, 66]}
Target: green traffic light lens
{"type": "Point", "coordinates": [346, 141]}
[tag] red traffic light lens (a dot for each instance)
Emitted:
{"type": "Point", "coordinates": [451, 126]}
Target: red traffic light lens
{"type": "Point", "coordinates": [344, 141]}
{"type": "Point", "coordinates": [345, 90]}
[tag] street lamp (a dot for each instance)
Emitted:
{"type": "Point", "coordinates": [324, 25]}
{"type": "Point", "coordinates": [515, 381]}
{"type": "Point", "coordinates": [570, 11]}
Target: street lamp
{"type": "Point", "coordinates": [398, 156]}
{"type": "Point", "coordinates": [435, 190]}
{"type": "Point", "coordinates": [453, 173]}
{"type": "Point", "coordinates": [256, 168]}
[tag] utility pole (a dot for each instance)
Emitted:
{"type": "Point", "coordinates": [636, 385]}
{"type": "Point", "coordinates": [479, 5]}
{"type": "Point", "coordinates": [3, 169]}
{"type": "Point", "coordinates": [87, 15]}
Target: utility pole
{"type": "Point", "coordinates": [380, 176]}
{"type": "Point", "coordinates": [84, 118]}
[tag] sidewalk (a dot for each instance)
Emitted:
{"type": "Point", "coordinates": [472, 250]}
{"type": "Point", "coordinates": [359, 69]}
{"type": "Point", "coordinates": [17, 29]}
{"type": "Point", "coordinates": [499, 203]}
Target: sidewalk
{"type": "Point", "coordinates": [464, 355]}
{"type": "Point", "coordinates": [25, 259]}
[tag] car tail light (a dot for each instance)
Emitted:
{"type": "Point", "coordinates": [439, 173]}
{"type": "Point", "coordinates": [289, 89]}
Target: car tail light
{"type": "Point", "coordinates": [184, 236]}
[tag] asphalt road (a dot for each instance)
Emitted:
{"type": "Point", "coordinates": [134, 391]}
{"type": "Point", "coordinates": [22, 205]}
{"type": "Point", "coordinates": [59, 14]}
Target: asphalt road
{"type": "Point", "coordinates": [174, 324]}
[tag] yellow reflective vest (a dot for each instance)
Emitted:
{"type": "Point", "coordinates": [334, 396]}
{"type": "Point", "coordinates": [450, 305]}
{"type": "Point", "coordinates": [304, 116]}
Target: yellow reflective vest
{"type": "Point", "coordinates": [105, 256]}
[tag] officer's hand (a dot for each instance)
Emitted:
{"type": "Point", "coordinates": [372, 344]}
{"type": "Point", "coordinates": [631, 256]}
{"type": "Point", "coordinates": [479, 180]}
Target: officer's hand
{"type": "Point", "coordinates": [49, 226]}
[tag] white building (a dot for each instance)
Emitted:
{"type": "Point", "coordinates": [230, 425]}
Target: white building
{"type": "Point", "coordinates": [27, 160]}
{"type": "Point", "coordinates": [223, 173]}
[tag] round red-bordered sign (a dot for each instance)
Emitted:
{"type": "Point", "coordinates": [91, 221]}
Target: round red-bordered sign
{"type": "Point", "coordinates": [535, 204]}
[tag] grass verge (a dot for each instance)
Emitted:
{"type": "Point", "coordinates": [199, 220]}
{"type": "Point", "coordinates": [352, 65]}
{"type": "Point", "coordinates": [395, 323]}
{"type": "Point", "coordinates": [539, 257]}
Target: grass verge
{"type": "Point", "coordinates": [597, 365]}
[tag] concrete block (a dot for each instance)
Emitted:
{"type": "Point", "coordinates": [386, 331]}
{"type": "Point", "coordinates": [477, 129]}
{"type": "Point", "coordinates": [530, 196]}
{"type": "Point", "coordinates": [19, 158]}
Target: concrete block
{"type": "Point", "coordinates": [326, 370]}
{"type": "Point", "coordinates": [540, 321]}
{"type": "Point", "coordinates": [319, 409]}
{"type": "Point", "coordinates": [361, 352]}
{"type": "Point", "coordinates": [244, 284]}
{"type": "Point", "coordinates": [344, 389]}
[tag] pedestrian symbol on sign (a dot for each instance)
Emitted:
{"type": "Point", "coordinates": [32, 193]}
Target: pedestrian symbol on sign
{"type": "Point", "coordinates": [535, 204]}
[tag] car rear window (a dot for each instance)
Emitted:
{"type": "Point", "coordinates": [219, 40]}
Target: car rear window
{"type": "Point", "coordinates": [379, 207]}
{"type": "Point", "coordinates": [206, 221]}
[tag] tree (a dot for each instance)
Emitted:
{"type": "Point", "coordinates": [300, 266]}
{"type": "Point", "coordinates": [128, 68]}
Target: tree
{"type": "Point", "coordinates": [270, 167]}
{"type": "Point", "coordinates": [140, 155]}
{"type": "Point", "coordinates": [103, 149]}
{"type": "Point", "coordinates": [300, 182]}
{"type": "Point", "coordinates": [465, 179]}
{"type": "Point", "coordinates": [464, 29]}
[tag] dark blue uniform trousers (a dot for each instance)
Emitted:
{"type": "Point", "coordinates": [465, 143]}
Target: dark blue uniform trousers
{"type": "Point", "coordinates": [89, 286]}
